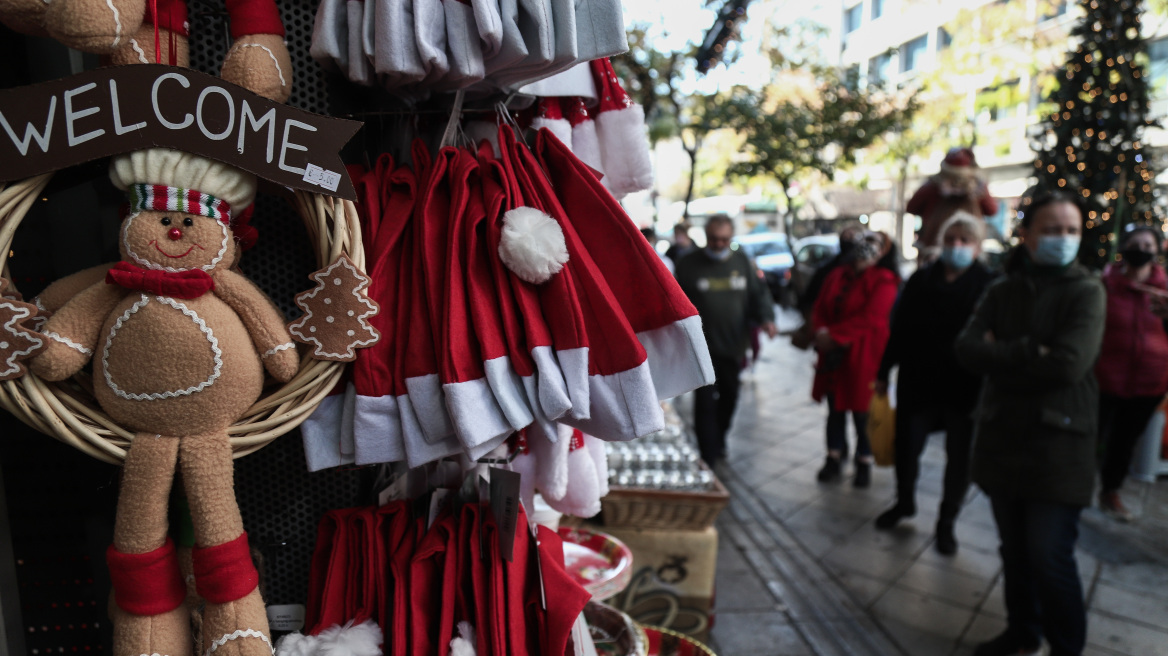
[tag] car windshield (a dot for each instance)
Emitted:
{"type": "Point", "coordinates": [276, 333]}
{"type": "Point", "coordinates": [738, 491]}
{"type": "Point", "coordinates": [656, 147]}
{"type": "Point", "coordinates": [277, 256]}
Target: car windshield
{"type": "Point", "coordinates": [760, 248]}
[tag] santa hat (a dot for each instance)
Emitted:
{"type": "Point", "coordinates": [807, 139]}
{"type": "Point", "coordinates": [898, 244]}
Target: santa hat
{"type": "Point", "coordinates": [165, 167]}
{"type": "Point", "coordinates": [538, 43]}
{"type": "Point", "coordinates": [600, 29]}
{"type": "Point", "coordinates": [623, 400]}
{"type": "Point", "coordinates": [330, 36]}
{"type": "Point", "coordinates": [575, 81]}
{"type": "Point", "coordinates": [463, 51]}
{"type": "Point", "coordinates": [584, 142]}
{"type": "Point", "coordinates": [664, 319]}
{"type": "Point", "coordinates": [960, 161]}
{"type": "Point", "coordinates": [624, 140]}
{"type": "Point", "coordinates": [396, 59]}
{"type": "Point", "coordinates": [478, 419]}
{"type": "Point", "coordinates": [360, 70]}
{"type": "Point", "coordinates": [486, 313]}
{"type": "Point", "coordinates": [548, 114]}
{"type": "Point", "coordinates": [511, 50]}
{"type": "Point", "coordinates": [489, 22]}
{"type": "Point", "coordinates": [427, 402]}
{"type": "Point", "coordinates": [528, 338]}
{"type": "Point", "coordinates": [430, 36]}
{"type": "Point", "coordinates": [377, 424]}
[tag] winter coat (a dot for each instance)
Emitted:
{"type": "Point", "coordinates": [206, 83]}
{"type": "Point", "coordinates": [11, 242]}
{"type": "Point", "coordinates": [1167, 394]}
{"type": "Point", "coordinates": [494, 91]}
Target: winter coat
{"type": "Point", "coordinates": [935, 205]}
{"type": "Point", "coordinates": [728, 295]}
{"type": "Point", "coordinates": [1038, 415]}
{"type": "Point", "coordinates": [1134, 359]}
{"type": "Point", "coordinates": [854, 308]}
{"type": "Point", "coordinates": [929, 314]}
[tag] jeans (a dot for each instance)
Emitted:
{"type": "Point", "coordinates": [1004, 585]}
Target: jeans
{"type": "Point", "coordinates": [912, 432]}
{"type": "Point", "coordinates": [1121, 423]}
{"type": "Point", "coordinates": [714, 409]}
{"type": "Point", "coordinates": [1043, 593]}
{"type": "Point", "coordinates": [837, 432]}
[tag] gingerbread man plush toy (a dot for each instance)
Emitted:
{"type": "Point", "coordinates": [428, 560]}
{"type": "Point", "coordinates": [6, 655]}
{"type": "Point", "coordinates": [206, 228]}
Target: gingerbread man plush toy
{"type": "Point", "coordinates": [179, 344]}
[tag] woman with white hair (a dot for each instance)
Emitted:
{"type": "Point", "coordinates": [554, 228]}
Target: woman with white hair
{"type": "Point", "coordinates": [934, 392]}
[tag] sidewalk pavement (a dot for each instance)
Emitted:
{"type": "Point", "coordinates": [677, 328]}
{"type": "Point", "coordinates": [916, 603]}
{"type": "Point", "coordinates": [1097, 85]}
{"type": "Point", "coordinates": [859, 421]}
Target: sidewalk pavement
{"type": "Point", "coordinates": [803, 571]}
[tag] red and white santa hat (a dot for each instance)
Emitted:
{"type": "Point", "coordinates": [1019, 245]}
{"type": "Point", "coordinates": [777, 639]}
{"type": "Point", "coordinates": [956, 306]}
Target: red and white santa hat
{"type": "Point", "coordinates": [584, 140]}
{"type": "Point", "coordinates": [624, 140]}
{"type": "Point", "coordinates": [549, 114]}
{"type": "Point", "coordinates": [664, 319]}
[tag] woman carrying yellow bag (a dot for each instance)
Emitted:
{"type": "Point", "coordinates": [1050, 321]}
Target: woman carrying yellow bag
{"type": "Point", "coordinates": [882, 429]}
{"type": "Point", "coordinates": [933, 392]}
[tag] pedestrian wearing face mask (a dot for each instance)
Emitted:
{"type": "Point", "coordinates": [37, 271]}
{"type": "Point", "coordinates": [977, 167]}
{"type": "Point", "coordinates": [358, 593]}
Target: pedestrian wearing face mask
{"type": "Point", "coordinates": [1036, 336]}
{"type": "Point", "coordinates": [850, 324]}
{"type": "Point", "coordinates": [933, 392]}
{"type": "Point", "coordinates": [729, 294]}
{"type": "Point", "coordinates": [1133, 365]}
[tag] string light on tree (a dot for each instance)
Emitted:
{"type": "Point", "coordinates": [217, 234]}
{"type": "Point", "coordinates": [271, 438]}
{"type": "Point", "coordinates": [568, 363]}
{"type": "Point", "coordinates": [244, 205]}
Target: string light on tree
{"type": "Point", "coordinates": [1091, 140]}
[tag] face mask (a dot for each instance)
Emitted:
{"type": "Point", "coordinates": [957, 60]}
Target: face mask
{"type": "Point", "coordinates": [846, 247]}
{"type": "Point", "coordinates": [1056, 250]}
{"type": "Point", "coordinates": [957, 257]}
{"type": "Point", "coordinates": [719, 255]}
{"type": "Point", "coordinates": [1135, 257]}
{"type": "Point", "coordinates": [866, 250]}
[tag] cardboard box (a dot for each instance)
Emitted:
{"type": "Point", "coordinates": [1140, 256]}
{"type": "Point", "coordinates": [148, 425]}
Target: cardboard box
{"type": "Point", "coordinates": [673, 578]}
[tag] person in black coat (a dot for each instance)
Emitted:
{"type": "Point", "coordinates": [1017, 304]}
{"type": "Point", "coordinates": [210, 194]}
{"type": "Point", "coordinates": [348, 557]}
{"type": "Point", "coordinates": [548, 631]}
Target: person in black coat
{"type": "Point", "coordinates": [933, 391]}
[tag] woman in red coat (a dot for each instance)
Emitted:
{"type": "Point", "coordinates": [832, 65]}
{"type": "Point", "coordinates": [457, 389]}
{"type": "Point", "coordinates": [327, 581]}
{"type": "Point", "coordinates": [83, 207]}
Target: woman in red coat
{"type": "Point", "coordinates": [1133, 365]}
{"type": "Point", "coordinates": [850, 320]}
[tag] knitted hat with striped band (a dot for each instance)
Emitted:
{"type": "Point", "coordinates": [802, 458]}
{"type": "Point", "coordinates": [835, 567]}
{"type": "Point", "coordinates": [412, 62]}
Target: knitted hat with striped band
{"type": "Point", "coordinates": [144, 197]}
{"type": "Point", "coordinates": [166, 167]}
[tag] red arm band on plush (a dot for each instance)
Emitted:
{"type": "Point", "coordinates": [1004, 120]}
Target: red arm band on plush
{"type": "Point", "coordinates": [224, 573]}
{"type": "Point", "coordinates": [172, 15]}
{"type": "Point", "coordinates": [148, 583]}
{"type": "Point", "coordinates": [254, 17]}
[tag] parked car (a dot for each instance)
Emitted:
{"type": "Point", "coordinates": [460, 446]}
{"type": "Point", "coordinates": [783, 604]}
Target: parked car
{"type": "Point", "coordinates": [810, 254]}
{"type": "Point", "coordinates": [772, 257]}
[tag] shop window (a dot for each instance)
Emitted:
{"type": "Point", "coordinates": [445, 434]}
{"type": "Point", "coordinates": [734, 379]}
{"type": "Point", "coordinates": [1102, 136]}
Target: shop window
{"type": "Point", "coordinates": [852, 18]}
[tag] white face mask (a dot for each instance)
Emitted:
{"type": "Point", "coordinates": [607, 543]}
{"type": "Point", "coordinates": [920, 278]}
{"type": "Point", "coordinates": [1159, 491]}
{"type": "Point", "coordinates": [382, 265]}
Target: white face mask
{"type": "Point", "coordinates": [719, 255]}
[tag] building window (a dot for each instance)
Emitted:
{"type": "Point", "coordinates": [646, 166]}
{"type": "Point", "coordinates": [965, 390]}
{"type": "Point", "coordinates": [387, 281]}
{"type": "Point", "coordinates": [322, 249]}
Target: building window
{"type": "Point", "coordinates": [912, 53]}
{"type": "Point", "coordinates": [944, 39]}
{"type": "Point", "coordinates": [877, 9]}
{"type": "Point", "coordinates": [879, 68]}
{"type": "Point", "coordinates": [1158, 64]}
{"type": "Point", "coordinates": [852, 18]}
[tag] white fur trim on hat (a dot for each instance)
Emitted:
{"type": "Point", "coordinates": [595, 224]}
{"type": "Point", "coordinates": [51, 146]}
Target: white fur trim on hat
{"type": "Point", "coordinates": [174, 168]}
{"type": "Point", "coordinates": [532, 245]}
{"type": "Point", "coordinates": [349, 640]}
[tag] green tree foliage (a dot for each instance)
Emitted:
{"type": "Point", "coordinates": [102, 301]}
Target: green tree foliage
{"type": "Point", "coordinates": [1090, 140]}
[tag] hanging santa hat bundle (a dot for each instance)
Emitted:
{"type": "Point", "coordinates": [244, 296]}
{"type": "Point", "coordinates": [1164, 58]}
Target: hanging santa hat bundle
{"type": "Point", "coordinates": [516, 295]}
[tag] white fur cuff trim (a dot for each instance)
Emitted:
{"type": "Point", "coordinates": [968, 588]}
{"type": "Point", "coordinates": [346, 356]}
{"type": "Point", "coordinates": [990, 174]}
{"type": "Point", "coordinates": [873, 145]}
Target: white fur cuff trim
{"type": "Point", "coordinates": [239, 633]}
{"type": "Point", "coordinates": [68, 342]}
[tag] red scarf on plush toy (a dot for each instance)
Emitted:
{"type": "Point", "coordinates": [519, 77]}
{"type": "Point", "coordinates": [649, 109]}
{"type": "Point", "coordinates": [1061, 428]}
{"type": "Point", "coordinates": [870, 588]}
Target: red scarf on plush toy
{"type": "Point", "coordinates": [191, 283]}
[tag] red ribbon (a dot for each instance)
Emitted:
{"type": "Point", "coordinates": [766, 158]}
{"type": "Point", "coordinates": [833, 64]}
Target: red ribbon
{"type": "Point", "coordinates": [148, 583]}
{"type": "Point", "coordinates": [224, 573]}
{"type": "Point", "coordinates": [191, 283]}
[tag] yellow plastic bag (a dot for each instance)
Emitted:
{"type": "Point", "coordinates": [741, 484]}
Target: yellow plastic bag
{"type": "Point", "coordinates": [882, 430]}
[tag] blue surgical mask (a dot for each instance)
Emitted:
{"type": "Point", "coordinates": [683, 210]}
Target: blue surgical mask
{"type": "Point", "coordinates": [1056, 250]}
{"type": "Point", "coordinates": [958, 258]}
{"type": "Point", "coordinates": [719, 255]}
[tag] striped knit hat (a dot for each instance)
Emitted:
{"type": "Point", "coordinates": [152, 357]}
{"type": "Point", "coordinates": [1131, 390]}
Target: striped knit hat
{"type": "Point", "coordinates": [176, 199]}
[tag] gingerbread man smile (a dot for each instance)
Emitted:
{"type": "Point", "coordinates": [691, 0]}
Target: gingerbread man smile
{"type": "Point", "coordinates": [154, 243]}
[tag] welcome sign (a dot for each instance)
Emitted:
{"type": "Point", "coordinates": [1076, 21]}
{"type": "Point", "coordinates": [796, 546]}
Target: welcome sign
{"type": "Point", "coordinates": [51, 126]}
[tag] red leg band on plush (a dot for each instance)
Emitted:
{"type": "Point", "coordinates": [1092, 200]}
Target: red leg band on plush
{"type": "Point", "coordinates": [171, 15]}
{"type": "Point", "coordinates": [148, 583]}
{"type": "Point", "coordinates": [254, 17]}
{"type": "Point", "coordinates": [224, 573]}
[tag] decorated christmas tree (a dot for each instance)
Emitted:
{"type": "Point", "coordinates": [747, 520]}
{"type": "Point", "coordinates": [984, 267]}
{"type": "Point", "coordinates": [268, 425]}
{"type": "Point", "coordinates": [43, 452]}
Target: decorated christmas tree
{"type": "Point", "coordinates": [1090, 138]}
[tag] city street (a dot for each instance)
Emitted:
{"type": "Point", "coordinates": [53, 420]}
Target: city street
{"type": "Point", "coordinates": [802, 569]}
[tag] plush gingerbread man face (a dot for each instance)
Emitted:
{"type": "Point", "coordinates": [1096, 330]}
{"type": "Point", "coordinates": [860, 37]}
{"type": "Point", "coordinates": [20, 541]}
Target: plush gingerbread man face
{"type": "Point", "coordinates": [176, 241]}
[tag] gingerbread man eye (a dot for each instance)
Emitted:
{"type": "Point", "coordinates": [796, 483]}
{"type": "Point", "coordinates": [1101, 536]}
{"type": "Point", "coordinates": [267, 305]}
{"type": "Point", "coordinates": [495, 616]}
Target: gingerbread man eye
{"type": "Point", "coordinates": [188, 222]}
{"type": "Point", "coordinates": [165, 220]}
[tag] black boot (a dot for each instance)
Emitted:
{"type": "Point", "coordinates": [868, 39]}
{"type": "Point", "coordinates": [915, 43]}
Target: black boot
{"type": "Point", "coordinates": [1008, 644]}
{"type": "Point", "coordinates": [863, 477]}
{"type": "Point", "coordinates": [946, 540]}
{"type": "Point", "coordinates": [891, 517]}
{"type": "Point", "coordinates": [830, 471]}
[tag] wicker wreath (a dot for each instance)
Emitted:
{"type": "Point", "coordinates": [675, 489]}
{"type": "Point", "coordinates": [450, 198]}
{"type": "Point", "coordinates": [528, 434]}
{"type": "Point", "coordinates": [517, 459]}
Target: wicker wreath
{"type": "Point", "coordinates": [67, 410]}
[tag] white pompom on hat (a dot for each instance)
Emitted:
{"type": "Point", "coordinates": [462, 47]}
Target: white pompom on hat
{"type": "Point", "coordinates": [174, 168]}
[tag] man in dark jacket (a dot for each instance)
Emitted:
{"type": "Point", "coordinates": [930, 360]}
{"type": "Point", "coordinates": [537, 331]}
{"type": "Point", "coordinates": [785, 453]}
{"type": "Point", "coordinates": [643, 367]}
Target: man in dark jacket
{"type": "Point", "coordinates": [1035, 337]}
{"type": "Point", "coordinates": [728, 293]}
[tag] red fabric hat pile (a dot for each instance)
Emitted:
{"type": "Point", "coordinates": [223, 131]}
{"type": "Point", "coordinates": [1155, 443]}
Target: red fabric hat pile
{"type": "Point", "coordinates": [518, 292]}
{"type": "Point", "coordinates": [418, 582]}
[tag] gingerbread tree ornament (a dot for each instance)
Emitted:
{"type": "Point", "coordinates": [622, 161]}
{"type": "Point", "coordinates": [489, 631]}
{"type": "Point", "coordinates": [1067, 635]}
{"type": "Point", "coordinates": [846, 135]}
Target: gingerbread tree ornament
{"type": "Point", "coordinates": [18, 341]}
{"type": "Point", "coordinates": [337, 312]}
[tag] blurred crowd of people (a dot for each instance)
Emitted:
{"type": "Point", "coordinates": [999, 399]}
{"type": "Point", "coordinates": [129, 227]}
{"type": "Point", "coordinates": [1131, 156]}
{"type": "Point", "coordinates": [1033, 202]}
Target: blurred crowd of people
{"type": "Point", "coordinates": [1042, 376]}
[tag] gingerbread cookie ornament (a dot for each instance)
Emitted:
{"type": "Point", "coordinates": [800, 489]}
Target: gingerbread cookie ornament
{"type": "Point", "coordinates": [179, 344]}
{"type": "Point", "coordinates": [337, 311]}
{"type": "Point", "coordinates": [18, 340]}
